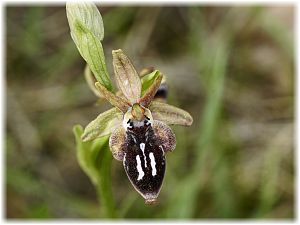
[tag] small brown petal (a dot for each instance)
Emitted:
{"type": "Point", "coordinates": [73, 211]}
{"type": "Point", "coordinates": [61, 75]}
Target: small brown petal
{"type": "Point", "coordinates": [112, 98]}
{"type": "Point", "coordinates": [151, 91]}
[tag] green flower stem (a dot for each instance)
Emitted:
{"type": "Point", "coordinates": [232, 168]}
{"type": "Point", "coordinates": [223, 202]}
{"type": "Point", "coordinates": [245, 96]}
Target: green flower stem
{"type": "Point", "coordinates": [95, 159]}
{"type": "Point", "coordinates": [104, 186]}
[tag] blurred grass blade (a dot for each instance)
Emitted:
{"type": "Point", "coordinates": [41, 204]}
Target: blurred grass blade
{"type": "Point", "coordinates": [170, 114]}
{"type": "Point", "coordinates": [270, 192]}
{"type": "Point", "coordinates": [186, 203]}
{"type": "Point", "coordinates": [103, 125]}
{"type": "Point", "coordinates": [278, 32]}
{"type": "Point", "coordinates": [151, 87]}
{"type": "Point", "coordinates": [127, 77]}
{"type": "Point", "coordinates": [87, 32]}
{"type": "Point", "coordinates": [116, 101]}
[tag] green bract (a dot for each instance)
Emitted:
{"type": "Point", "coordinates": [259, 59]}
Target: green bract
{"type": "Point", "coordinates": [87, 31]}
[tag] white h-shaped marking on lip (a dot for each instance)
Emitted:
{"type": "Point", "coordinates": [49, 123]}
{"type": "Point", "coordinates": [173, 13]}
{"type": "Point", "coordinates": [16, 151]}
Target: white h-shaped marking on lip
{"type": "Point", "coordinates": [124, 159]}
{"type": "Point", "coordinates": [153, 163]}
{"type": "Point", "coordinates": [139, 168]}
{"type": "Point", "coordinates": [162, 149]}
{"type": "Point", "coordinates": [133, 138]}
{"type": "Point", "coordinates": [142, 147]}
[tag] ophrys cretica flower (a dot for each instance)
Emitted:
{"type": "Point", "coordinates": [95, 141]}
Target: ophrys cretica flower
{"type": "Point", "coordinates": [138, 126]}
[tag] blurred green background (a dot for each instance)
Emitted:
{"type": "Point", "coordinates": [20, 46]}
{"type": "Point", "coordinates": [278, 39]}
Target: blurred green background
{"type": "Point", "coordinates": [232, 68]}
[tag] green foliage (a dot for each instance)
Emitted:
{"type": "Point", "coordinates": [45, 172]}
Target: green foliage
{"type": "Point", "coordinates": [95, 159]}
{"type": "Point", "coordinates": [87, 16]}
{"type": "Point", "coordinates": [87, 32]}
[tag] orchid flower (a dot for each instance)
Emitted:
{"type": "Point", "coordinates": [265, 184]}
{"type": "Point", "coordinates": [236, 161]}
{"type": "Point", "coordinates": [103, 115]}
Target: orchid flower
{"type": "Point", "coordinates": [138, 126]}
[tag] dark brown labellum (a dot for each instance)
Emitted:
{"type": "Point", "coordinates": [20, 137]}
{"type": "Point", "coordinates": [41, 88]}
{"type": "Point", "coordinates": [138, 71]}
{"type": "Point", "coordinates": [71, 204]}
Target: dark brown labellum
{"type": "Point", "coordinates": [144, 159]}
